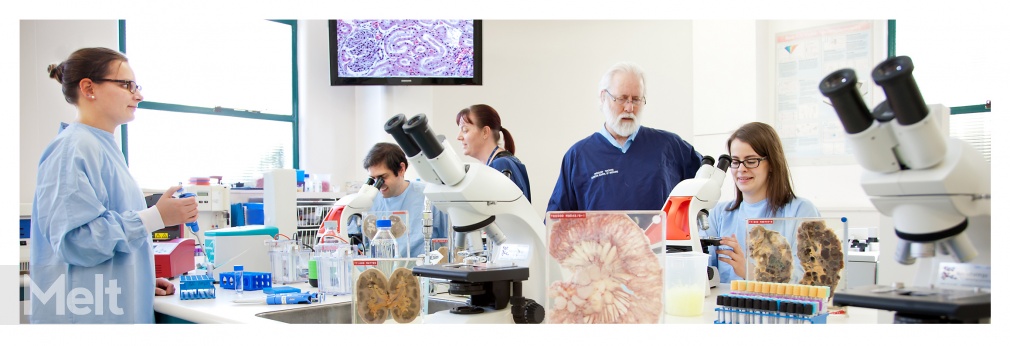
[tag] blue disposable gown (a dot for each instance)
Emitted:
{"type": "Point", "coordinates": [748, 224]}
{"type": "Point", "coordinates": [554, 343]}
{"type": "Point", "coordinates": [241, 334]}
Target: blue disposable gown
{"type": "Point", "coordinates": [412, 201]}
{"type": "Point", "coordinates": [727, 223]}
{"type": "Point", "coordinates": [91, 255]}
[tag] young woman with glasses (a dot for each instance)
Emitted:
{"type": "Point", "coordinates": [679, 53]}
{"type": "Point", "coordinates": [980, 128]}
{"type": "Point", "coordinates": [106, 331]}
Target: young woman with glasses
{"type": "Point", "coordinates": [91, 227]}
{"type": "Point", "coordinates": [763, 190]}
{"type": "Point", "coordinates": [481, 134]}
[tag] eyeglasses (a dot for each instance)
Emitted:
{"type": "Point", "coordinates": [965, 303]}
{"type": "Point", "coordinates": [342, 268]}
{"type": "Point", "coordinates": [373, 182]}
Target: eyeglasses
{"type": "Point", "coordinates": [635, 101]}
{"type": "Point", "coordinates": [749, 163]}
{"type": "Point", "coordinates": [130, 85]}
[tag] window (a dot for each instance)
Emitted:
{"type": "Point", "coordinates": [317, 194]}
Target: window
{"type": "Point", "coordinates": [220, 99]}
{"type": "Point", "coordinates": [953, 67]}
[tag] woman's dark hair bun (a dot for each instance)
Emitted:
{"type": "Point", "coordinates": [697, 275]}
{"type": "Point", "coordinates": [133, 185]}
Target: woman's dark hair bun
{"type": "Point", "coordinates": [55, 72]}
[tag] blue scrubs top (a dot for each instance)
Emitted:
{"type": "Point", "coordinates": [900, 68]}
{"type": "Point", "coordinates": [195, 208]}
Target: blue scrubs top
{"type": "Point", "coordinates": [728, 223]}
{"type": "Point", "coordinates": [91, 255]}
{"type": "Point", "coordinates": [597, 174]}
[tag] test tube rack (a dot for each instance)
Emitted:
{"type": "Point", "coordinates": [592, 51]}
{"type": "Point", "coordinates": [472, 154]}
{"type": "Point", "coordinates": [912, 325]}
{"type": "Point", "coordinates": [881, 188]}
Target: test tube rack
{"type": "Point", "coordinates": [754, 302]}
{"type": "Point", "coordinates": [251, 281]}
{"type": "Point", "coordinates": [196, 287]}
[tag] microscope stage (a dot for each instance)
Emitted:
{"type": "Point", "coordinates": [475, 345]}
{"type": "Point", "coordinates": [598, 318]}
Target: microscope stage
{"type": "Point", "coordinates": [960, 305]}
{"type": "Point", "coordinates": [473, 273]}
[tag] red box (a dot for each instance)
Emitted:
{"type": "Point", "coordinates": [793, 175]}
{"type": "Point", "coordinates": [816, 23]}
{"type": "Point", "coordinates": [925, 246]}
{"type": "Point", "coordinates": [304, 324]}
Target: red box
{"type": "Point", "coordinates": [174, 257]}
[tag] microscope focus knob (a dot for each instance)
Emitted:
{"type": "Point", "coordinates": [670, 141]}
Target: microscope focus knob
{"type": "Point", "coordinates": [528, 311]}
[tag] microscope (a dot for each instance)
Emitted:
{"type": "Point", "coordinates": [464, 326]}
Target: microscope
{"type": "Point", "coordinates": [476, 198]}
{"type": "Point", "coordinates": [936, 189]}
{"type": "Point", "coordinates": [348, 208]}
{"type": "Point", "coordinates": [687, 211]}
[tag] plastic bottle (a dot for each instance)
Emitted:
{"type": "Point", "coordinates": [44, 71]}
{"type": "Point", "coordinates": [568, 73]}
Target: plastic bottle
{"type": "Point", "coordinates": [317, 184]}
{"type": "Point", "coordinates": [239, 276]}
{"type": "Point", "coordinates": [307, 184]}
{"type": "Point", "coordinates": [383, 245]}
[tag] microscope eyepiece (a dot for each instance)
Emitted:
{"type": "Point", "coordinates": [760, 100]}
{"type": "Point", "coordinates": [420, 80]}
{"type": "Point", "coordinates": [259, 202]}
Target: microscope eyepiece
{"type": "Point", "coordinates": [394, 127]}
{"type": "Point", "coordinates": [894, 75]}
{"type": "Point", "coordinates": [841, 88]}
{"type": "Point", "coordinates": [724, 161]}
{"type": "Point", "coordinates": [707, 160]}
{"type": "Point", "coordinates": [418, 129]}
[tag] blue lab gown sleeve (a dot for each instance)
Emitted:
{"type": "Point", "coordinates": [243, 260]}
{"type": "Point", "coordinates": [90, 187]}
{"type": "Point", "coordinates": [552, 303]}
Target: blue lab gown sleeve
{"type": "Point", "coordinates": [78, 226]}
{"type": "Point", "coordinates": [87, 233]}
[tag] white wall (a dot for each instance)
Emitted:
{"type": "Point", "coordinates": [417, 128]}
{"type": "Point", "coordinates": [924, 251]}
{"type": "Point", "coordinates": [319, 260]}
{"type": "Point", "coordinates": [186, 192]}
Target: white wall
{"type": "Point", "coordinates": [829, 187]}
{"type": "Point", "coordinates": [42, 106]}
{"type": "Point", "coordinates": [327, 115]}
{"type": "Point", "coordinates": [726, 54]}
{"type": "Point", "coordinates": [705, 78]}
{"type": "Point", "coordinates": [540, 75]}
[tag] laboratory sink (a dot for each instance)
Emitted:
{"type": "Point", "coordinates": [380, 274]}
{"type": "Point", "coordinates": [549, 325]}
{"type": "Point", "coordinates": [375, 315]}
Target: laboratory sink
{"type": "Point", "coordinates": [341, 313]}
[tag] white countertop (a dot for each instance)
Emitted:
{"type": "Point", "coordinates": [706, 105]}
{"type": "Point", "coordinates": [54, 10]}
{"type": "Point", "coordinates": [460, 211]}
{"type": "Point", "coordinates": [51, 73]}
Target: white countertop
{"type": "Point", "coordinates": [223, 310]}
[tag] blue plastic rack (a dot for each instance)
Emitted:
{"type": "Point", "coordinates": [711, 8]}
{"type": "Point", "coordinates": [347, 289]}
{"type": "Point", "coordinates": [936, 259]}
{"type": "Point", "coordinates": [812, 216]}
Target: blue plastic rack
{"type": "Point", "coordinates": [196, 287]}
{"type": "Point", "coordinates": [251, 281]}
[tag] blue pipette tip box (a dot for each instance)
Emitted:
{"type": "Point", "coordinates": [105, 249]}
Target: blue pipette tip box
{"type": "Point", "coordinates": [196, 287]}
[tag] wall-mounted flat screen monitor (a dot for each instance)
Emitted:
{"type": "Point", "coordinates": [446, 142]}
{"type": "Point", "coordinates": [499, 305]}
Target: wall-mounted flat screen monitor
{"type": "Point", "coordinates": [405, 52]}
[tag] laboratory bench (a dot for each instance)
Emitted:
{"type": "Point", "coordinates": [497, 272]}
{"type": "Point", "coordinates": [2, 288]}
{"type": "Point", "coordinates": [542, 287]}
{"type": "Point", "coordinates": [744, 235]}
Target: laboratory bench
{"type": "Point", "coordinates": [223, 310]}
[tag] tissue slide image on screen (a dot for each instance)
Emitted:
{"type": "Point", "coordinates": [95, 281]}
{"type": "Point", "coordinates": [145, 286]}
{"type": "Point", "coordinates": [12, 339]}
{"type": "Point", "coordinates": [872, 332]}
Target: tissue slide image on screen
{"type": "Point", "coordinates": [405, 48]}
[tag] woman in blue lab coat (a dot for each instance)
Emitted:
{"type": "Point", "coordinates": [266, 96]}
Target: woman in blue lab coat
{"type": "Point", "coordinates": [91, 228]}
{"type": "Point", "coordinates": [481, 134]}
{"type": "Point", "coordinates": [763, 190]}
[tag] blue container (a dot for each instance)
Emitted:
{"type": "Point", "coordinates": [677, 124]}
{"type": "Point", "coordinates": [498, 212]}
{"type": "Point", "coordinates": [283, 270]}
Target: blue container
{"type": "Point", "coordinates": [26, 227]}
{"type": "Point", "coordinates": [237, 214]}
{"type": "Point", "coordinates": [254, 213]}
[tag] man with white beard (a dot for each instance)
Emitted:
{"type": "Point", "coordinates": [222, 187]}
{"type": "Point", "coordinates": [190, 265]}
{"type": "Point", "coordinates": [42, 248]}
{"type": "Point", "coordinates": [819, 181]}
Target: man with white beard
{"type": "Point", "coordinates": [624, 166]}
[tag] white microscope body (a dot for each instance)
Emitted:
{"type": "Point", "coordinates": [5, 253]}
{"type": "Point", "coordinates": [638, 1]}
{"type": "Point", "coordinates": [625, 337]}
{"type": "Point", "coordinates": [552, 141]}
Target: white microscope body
{"type": "Point", "coordinates": [701, 193]}
{"type": "Point", "coordinates": [477, 197]}
{"type": "Point", "coordinates": [929, 183]}
{"type": "Point", "coordinates": [687, 211]}
{"type": "Point", "coordinates": [347, 208]}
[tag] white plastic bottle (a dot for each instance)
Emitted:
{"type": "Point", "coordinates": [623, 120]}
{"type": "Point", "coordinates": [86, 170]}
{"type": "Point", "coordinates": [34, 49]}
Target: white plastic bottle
{"type": "Point", "coordinates": [308, 183]}
{"type": "Point", "coordinates": [383, 245]}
